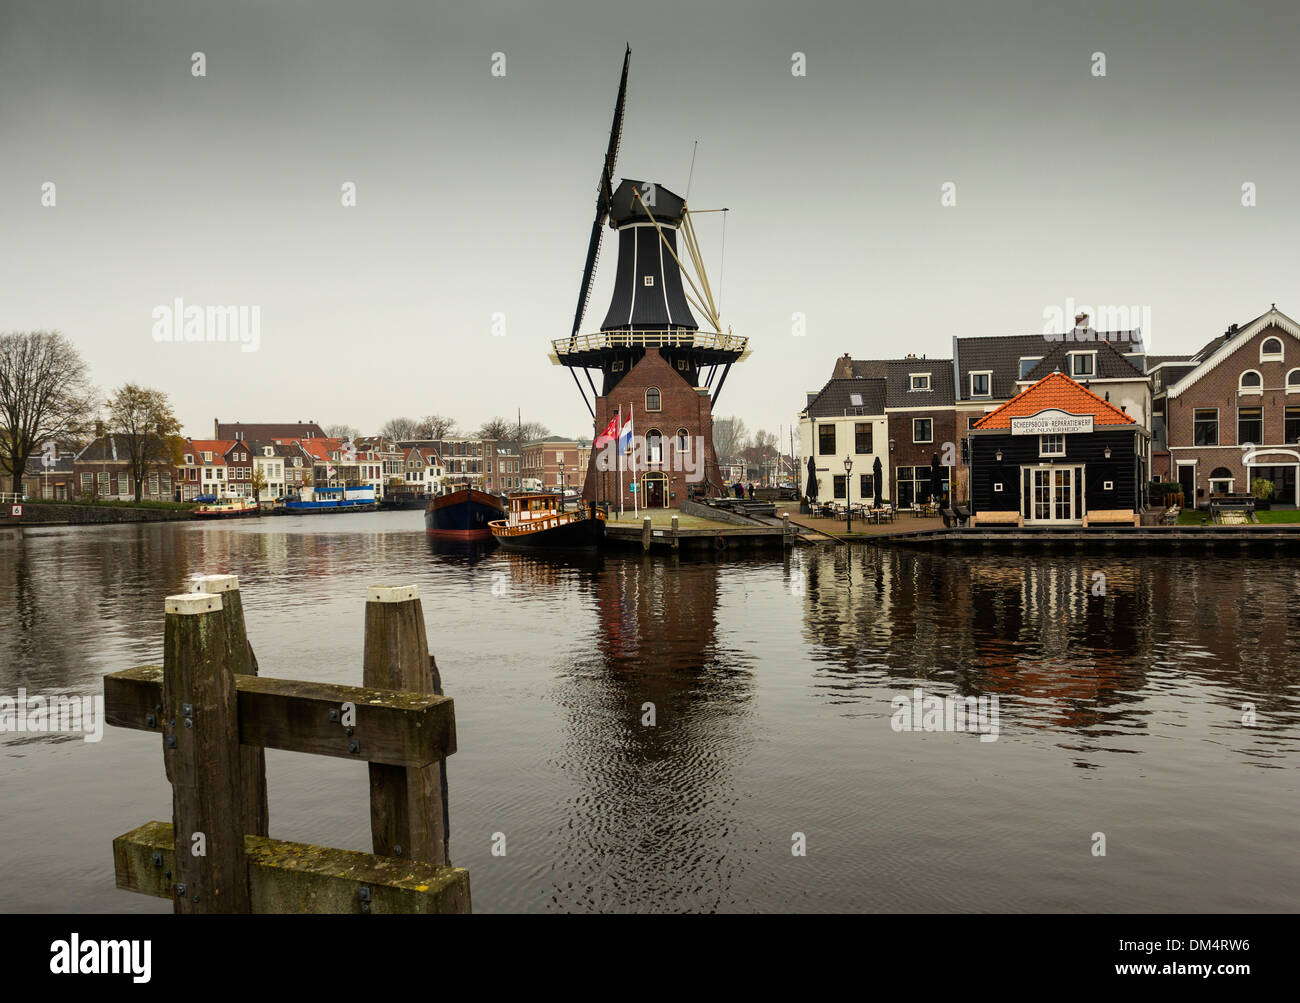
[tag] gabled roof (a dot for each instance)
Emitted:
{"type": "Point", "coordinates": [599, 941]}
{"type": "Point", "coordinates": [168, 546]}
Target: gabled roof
{"type": "Point", "coordinates": [1111, 364]}
{"type": "Point", "coordinates": [836, 399]}
{"type": "Point", "coordinates": [217, 447]}
{"type": "Point", "coordinates": [867, 369]}
{"type": "Point", "coordinates": [899, 392]}
{"type": "Point", "coordinates": [269, 430]}
{"type": "Point", "coordinates": [1229, 342]}
{"type": "Point", "coordinates": [1058, 391]}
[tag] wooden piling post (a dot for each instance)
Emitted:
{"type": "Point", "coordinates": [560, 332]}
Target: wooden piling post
{"type": "Point", "coordinates": [407, 808]}
{"type": "Point", "coordinates": [201, 749]}
{"type": "Point", "coordinates": [785, 528]}
{"type": "Point", "coordinates": [252, 760]}
{"type": "Point", "coordinates": [646, 534]}
{"type": "Point", "coordinates": [675, 541]}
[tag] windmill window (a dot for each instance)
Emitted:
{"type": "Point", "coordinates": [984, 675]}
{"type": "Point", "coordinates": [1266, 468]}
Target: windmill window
{"type": "Point", "coordinates": [653, 400]}
{"type": "Point", "coordinates": [616, 366]}
{"type": "Point", "coordinates": [682, 365]}
{"type": "Point", "coordinates": [649, 280]}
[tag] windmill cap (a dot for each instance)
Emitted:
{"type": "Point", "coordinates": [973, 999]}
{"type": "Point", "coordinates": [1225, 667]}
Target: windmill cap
{"type": "Point", "coordinates": [625, 207]}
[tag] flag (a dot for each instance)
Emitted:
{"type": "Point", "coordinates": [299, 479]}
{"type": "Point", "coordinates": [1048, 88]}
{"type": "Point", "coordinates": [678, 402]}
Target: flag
{"type": "Point", "coordinates": [625, 436]}
{"type": "Point", "coordinates": [611, 430]}
{"type": "Point", "coordinates": [329, 470]}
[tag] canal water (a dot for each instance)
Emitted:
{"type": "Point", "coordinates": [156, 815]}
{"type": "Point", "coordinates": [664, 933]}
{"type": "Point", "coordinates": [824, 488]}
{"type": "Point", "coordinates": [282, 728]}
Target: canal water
{"type": "Point", "coordinates": [1150, 702]}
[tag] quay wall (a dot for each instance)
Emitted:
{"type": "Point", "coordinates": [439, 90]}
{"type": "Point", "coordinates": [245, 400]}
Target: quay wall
{"type": "Point", "coordinates": [40, 514]}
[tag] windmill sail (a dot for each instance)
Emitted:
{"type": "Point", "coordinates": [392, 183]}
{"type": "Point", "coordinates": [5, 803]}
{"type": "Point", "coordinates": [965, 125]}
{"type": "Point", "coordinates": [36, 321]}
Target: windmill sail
{"type": "Point", "coordinates": [604, 196]}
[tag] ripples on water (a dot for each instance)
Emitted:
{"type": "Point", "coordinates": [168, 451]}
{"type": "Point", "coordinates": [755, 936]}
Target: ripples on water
{"type": "Point", "coordinates": [771, 681]}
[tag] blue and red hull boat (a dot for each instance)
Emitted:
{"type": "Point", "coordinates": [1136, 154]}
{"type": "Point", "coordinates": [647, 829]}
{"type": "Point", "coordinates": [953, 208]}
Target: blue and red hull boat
{"type": "Point", "coordinates": [462, 515]}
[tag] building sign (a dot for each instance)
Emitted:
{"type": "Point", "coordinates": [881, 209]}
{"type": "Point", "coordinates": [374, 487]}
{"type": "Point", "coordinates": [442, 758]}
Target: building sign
{"type": "Point", "coordinates": [16, 511]}
{"type": "Point", "coordinates": [1051, 422]}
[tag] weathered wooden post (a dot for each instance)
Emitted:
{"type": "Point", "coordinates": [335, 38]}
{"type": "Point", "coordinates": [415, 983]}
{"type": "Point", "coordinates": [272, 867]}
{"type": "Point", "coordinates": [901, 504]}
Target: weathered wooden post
{"type": "Point", "coordinates": [785, 529]}
{"type": "Point", "coordinates": [252, 759]}
{"type": "Point", "coordinates": [407, 808]}
{"type": "Point", "coordinates": [675, 541]}
{"type": "Point", "coordinates": [646, 534]}
{"type": "Point", "coordinates": [201, 751]}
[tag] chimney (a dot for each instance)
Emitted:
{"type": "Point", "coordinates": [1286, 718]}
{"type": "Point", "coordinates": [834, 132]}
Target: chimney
{"type": "Point", "coordinates": [843, 367]}
{"type": "Point", "coordinates": [215, 431]}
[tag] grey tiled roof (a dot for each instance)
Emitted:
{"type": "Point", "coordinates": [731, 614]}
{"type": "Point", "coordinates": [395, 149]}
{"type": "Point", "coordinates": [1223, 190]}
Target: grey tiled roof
{"type": "Point", "coordinates": [1001, 354]}
{"type": "Point", "coordinates": [1111, 365]}
{"type": "Point", "coordinates": [900, 392]}
{"type": "Point", "coordinates": [835, 399]}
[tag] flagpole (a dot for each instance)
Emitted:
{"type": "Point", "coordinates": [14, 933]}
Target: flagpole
{"type": "Point", "coordinates": [618, 453]}
{"type": "Point", "coordinates": [636, 495]}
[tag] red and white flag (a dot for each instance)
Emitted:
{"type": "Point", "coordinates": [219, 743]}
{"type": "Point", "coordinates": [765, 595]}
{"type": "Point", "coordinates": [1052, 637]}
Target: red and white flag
{"type": "Point", "coordinates": [611, 430]}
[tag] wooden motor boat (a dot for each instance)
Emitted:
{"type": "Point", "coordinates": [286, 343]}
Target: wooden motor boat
{"type": "Point", "coordinates": [536, 522]}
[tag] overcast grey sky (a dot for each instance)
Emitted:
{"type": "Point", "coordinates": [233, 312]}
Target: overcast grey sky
{"type": "Point", "coordinates": [475, 192]}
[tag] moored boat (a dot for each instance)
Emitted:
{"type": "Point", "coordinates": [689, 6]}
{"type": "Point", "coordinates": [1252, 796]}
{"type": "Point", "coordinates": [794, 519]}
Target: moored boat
{"type": "Point", "coordinates": [462, 515]}
{"type": "Point", "coordinates": [227, 508]}
{"type": "Point", "coordinates": [536, 522]}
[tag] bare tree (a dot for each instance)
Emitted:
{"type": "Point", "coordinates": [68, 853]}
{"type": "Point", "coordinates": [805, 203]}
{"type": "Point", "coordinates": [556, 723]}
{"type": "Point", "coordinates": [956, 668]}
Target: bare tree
{"type": "Point", "coordinates": [730, 437]}
{"type": "Point", "coordinates": [435, 426]}
{"type": "Point", "coordinates": [496, 428]}
{"type": "Point", "coordinates": [530, 431]}
{"type": "Point", "coordinates": [45, 396]}
{"type": "Point", "coordinates": [343, 432]}
{"type": "Point", "coordinates": [399, 429]}
{"type": "Point", "coordinates": [143, 419]}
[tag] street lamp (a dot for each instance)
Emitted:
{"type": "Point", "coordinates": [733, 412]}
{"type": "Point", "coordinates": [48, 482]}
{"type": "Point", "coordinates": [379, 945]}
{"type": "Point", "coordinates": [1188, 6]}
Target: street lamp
{"type": "Point", "coordinates": [848, 495]}
{"type": "Point", "coordinates": [561, 485]}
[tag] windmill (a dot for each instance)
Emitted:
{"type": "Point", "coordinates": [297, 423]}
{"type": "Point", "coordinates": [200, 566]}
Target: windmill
{"type": "Point", "coordinates": [649, 332]}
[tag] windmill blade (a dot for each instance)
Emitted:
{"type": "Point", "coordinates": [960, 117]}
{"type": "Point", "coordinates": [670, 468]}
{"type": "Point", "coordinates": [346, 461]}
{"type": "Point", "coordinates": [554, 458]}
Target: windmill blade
{"type": "Point", "coordinates": [604, 195]}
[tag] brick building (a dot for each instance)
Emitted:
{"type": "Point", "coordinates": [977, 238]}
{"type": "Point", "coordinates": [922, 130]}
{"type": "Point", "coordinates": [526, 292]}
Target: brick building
{"type": "Point", "coordinates": [1234, 415]}
{"type": "Point", "coordinates": [919, 405]}
{"type": "Point", "coordinates": [543, 460]}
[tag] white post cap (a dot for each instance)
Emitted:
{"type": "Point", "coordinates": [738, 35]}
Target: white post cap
{"type": "Point", "coordinates": [213, 584]}
{"type": "Point", "coordinates": [192, 603]}
{"type": "Point", "coordinates": [391, 593]}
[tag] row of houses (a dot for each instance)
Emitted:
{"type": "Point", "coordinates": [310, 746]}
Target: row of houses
{"type": "Point", "coordinates": [1215, 420]}
{"type": "Point", "coordinates": [280, 460]}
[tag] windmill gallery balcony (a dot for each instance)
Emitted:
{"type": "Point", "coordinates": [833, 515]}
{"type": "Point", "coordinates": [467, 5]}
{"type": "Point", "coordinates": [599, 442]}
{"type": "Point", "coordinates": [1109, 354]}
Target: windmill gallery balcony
{"type": "Point", "coordinates": [571, 350]}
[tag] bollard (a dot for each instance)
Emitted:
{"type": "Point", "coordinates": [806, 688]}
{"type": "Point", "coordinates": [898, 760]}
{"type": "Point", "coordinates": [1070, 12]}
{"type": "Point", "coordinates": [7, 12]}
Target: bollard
{"type": "Point", "coordinates": [646, 534]}
{"type": "Point", "coordinates": [408, 812]}
{"type": "Point", "coordinates": [252, 760]}
{"type": "Point", "coordinates": [675, 542]}
{"type": "Point", "coordinates": [201, 750]}
{"type": "Point", "coordinates": [785, 528]}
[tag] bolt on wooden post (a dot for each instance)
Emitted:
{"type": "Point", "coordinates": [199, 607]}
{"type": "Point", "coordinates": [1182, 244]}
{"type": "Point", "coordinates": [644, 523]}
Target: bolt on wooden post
{"type": "Point", "coordinates": [201, 750]}
{"type": "Point", "coordinates": [408, 811]}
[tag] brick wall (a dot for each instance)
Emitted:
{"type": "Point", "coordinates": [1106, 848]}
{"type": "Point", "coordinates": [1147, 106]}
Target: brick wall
{"type": "Point", "coordinates": [1219, 389]}
{"type": "Point", "coordinates": [909, 454]}
{"type": "Point", "coordinates": [681, 406]}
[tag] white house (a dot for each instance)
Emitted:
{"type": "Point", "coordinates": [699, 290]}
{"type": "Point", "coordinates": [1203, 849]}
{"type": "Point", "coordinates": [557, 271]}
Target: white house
{"type": "Point", "coordinates": [845, 420]}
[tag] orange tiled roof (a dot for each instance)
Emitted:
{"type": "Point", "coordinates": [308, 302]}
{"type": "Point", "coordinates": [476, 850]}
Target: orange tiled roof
{"type": "Point", "coordinates": [1055, 390]}
{"type": "Point", "coordinates": [218, 447]}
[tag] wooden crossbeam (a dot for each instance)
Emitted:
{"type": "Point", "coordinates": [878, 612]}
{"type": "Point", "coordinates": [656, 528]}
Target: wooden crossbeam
{"type": "Point", "coordinates": [392, 726]}
{"type": "Point", "coordinates": [286, 877]}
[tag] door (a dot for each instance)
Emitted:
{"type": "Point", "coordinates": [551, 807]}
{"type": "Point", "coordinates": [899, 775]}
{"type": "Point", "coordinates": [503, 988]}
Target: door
{"type": "Point", "coordinates": [1053, 494]}
{"type": "Point", "coordinates": [654, 491]}
{"type": "Point", "coordinates": [1187, 480]}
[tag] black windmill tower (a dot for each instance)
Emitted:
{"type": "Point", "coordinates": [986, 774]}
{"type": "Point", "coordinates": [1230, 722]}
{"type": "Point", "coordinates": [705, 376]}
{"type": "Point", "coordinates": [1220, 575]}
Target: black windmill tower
{"type": "Point", "coordinates": [650, 310]}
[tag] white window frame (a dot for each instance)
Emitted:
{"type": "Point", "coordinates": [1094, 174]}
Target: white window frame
{"type": "Point", "coordinates": [980, 372]}
{"type": "Point", "coordinates": [1042, 445]}
{"type": "Point", "coordinates": [1108, 485]}
{"type": "Point", "coordinates": [1074, 372]}
{"type": "Point", "coordinates": [1252, 391]}
{"type": "Point", "coordinates": [1020, 369]}
{"type": "Point", "coordinates": [1293, 386]}
{"type": "Point", "coordinates": [917, 441]}
{"type": "Point", "coordinates": [923, 386]}
{"type": "Point", "coordinates": [1271, 356]}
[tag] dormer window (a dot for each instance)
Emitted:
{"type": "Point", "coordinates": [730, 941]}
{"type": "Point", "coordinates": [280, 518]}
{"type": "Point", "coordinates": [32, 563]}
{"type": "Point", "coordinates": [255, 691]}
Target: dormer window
{"type": "Point", "coordinates": [1027, 365]}
{"type": "Point", "coordinates": [981, 384]}
{"type": "Point", "coordinates": [920, 381]}
{"type": "Point", "coordinates": [1270, 350]}
{"type": "Point", "coordinates": [1083, 364]}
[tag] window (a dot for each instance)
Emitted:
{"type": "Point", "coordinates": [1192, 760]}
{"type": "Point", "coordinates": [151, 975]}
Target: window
{"type": "Point", "coordinates": [87, 483]}
{"type": "Point", "coordinates": [862, 437]}
{"type": "Point", "coordinates": [652, 399]}
{"type": "Point", "coordinates": [103, 484]}
{"type": "Point", "coordinates": [1271, 350]}
{"type": "Point", "coordinates": [922, 430]}
{"type": "Point", "coordinates": [189, 458]}
{"type": "Point", "coordinates": [867, 485]}
{"type": "Point", "coordinates": [682, 365]}
{"type": "Point", "coordinates": [841, 482]}
{"type": "Point", "coordinates": [1293, 381]}
{"type": "Point", "coordinates": [971, 420]}
{"type": "Point", "coordinates": [1026, 366]}
{"type": "Point", "coordinates": [616, 366]}
{"type": "Point", "coordinates": [1205, 426]}
{"type": "Point", "coordinates": [683, 441]}
{"type": "Point", "coordinates": [997, 487]}
{"type": "Point", "coordinates": [649, 280]}
{"type": "Point", "coordinates": [1251, 382]}
{"type": "Point", "coordinates": [1083, 364]}
{"type": "Point", "coordinates": [1051, 445]}
{"type": "Point", "coordinates": [920, 381]}
{"type": "Point", "coordinates": [1291, 425]}
{"type": "Point", "coordinates": [654, 442]}
{"type": "Point", "coordinates": [1108, 485]}
{"type": "Point", "coordinates": [1250, 426]}
{"type": "Point", "coordinates": [981, 384]}
{"type": "Point", "coordinates": [826, 440]}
